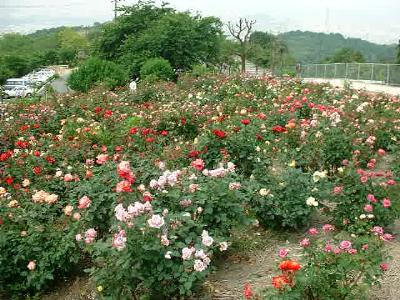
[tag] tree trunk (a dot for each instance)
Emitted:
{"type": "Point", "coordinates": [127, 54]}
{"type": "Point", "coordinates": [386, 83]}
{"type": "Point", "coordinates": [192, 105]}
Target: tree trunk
{"type": "Point", "coordinates": [243, 57]}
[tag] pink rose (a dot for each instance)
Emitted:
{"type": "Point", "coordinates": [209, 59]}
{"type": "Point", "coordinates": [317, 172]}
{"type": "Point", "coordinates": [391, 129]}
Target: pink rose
{"type": "Point", "coordinates": [283, 252]}
{"type": "Point", "coordinates": [198, 164]}
{"type": "Point", "coordinates": [372, 198]}
{"type": "Point", "coordinates": [119, 241]}
{"type": "Point", "coordinates": [313, 231]}
{"type": "Point", "coordinates": [101, 158]}
{"type": "Point", "coordinates": [305, 243]}
{"type": "Point", "coordinates": [352, 251]}
{"type": "Point", "coordinates": [368, 208]}
{"type": "Point", "coordinates": [384, 266]}
{"type": "Point", "coordinates": [68, 177]}
{"type": "Point", "coordinates": [156, 221]}
{"type": "Point", "coordinates": [31, 265]}
{"type": "Point", "coordinates": [84, 202]}
{"type": "Point", "coordinates": [345, 245]}
{"type": "Point", "coordinates": [328, 227]}
{"type": "Point", "coordinates": [386, 203]}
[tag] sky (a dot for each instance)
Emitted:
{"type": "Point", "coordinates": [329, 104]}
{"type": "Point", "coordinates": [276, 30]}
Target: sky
{"type": "Point", "coordinates": [373, 20]}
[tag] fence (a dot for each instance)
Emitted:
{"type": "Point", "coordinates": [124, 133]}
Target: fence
{"type": "Point", "coordinates": [388, 74]}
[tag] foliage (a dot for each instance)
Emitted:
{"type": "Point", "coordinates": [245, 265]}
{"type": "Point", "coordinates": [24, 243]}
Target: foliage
{"type": "Point", "coordinates": [95, 71]}
{"type": "Point", "coordinates": [157, 69]}
{"type": "Point", "coordinates": [145, 31]}
{"type": "Point", "coordinates": [280, 200]}
{"type": "Point", "coordinates": [345, 55]}
{"type": "Point", "coordinates": [268, 50]}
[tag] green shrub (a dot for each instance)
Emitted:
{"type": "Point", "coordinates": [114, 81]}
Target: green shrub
{"type": "Point", "coordinates": [157, 69]}
{"type": "Point", "coordinates": [200, 70]}
{"type": "Point", "coordinates": [281, 199]}
{"type": "Point", "coordinates": [96, 71]}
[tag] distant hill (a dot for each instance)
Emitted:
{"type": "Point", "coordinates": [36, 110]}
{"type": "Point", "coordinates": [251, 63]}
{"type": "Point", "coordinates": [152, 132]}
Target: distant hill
{"type": "Point", "coordinates": [312, 47]}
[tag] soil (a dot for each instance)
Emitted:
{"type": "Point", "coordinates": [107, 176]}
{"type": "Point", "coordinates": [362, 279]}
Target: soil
{"type": "Point", "coordinates": [253, 261]}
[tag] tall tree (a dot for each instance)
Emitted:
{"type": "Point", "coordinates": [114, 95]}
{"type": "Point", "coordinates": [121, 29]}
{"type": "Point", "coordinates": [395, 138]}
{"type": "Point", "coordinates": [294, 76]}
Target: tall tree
{"type": "Point", "coordinates": [241, 32]}
{"type": "Point", "coordinates": [144, 31]}
{"type": "Point", "coordinates": [398, 53]}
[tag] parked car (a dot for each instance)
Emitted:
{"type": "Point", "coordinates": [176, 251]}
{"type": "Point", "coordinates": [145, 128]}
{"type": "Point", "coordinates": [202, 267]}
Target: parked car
{"type": "Point", "coordinates": [19, 92]}
{"type": "Point", "coordinates": [16, 82]}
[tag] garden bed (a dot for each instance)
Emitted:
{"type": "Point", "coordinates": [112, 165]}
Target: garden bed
{"type": "Point", "coordinates": [193, 189]}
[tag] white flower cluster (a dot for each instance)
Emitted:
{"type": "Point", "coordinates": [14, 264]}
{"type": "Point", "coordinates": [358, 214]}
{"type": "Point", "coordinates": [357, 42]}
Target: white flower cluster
{"type": "Point", "coordinates": [168, 178]}
{"type": "Point", "coordinates": [221, 171]}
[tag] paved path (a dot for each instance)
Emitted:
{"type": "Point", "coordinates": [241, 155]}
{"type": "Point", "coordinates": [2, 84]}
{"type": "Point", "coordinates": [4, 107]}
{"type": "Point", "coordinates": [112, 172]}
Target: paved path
{"type": "Point", "coordinates": [60, 84]}
{"type": "Point", "coordinates": [363, 85]}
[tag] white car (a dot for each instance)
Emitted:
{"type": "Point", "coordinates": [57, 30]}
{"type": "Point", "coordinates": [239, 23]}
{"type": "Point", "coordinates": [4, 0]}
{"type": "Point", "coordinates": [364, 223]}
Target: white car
{"type": "Point", "coordinates": [19, 92]}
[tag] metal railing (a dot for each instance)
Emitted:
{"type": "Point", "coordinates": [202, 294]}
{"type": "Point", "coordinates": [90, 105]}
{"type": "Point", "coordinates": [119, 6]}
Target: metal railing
{"type": "Point", "coordinates": [388, 74]}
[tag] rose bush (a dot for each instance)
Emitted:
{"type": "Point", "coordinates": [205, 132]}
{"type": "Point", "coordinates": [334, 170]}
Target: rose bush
{"type": "Point", "coordinates": [145, 189]}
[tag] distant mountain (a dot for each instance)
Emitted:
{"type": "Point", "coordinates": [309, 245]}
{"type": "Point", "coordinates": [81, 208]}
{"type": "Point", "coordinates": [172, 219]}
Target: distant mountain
{"type": "Point", "coordinates": [312, 47]}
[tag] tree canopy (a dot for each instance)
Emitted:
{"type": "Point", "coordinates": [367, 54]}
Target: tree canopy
{"type": "Point", "coordinates": [345, 55]}
{"type": "Point", "coordinates": [145, 31]}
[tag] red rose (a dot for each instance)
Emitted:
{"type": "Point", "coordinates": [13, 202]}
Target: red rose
{"type": "Point", "coordinates": [149, 140]}
{"type": "Point", "coordinates": [37, 170]}
{"type": "Point", "coordinates": [245, 121]}
{"type": "Point", "coordinates": [289, 265]}
{"type": "Point", "coordinates": [164, 133]}
{"type": "Point", "coordinates": [278, 129]}
{"type": "Point", "coordinates": [280, 281]}
{"type": "Point", "coordinates": [247, 291]}
{"type": "Point", "coordinates": [219, 133]}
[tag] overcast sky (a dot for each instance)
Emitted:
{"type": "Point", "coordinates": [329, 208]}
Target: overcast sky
{"type": "Point", "coordinates": [374, 20]}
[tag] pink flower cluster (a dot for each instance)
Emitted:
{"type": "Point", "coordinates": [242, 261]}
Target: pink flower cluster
{"type": "Point", "coordinates": [119, 241]}
{"type": "Point", "coordinates": [379, 231]}
{"type": "Point", "coordinates": [220, 172]}
{"type": "Point", "coordinates": [90, 236]}
{"type": "Point", "coordinates": [84, 202]}
{"type": "Point", "coordinates": [366, 175]}
{"type": "Point", "coordinates": [137, 209]}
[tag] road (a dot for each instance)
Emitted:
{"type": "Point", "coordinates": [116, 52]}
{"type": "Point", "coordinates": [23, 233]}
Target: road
{"type": "Point", "coordinates": [360, 85]}
{"type": "Point", "coordinates": [60, 84]}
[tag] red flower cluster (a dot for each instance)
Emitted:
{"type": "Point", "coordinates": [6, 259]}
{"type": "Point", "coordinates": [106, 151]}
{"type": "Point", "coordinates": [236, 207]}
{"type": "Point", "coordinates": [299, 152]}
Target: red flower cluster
{"type": "Point", "coordinates": [289, 265]}
{"type": "Point", "coordinates": [245, 121]}
{"type": "Point", "coordinates": [279, 129]}
{"type": "Point", "coordinates": [289, 268]}
{"type": "Point", "coordinates": [219, 133]}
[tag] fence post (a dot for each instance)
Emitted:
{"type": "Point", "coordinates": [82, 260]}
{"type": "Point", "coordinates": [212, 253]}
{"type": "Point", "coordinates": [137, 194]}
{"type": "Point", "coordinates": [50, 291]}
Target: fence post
{"type": "Point", "coordinates": [325, 71]}
{"type": "Point", "coordinates": [334, 76]}
{"type": "Point", "coordinates": [316, 71]}
{"type": "Point", "coordinates": [372, 72]}
{"type": "Point", "coordinates": [347, 70]}
{"type": "Point", "coordinates": [388, 74]}
{"type": "Point", "coordinates": [358, 73]}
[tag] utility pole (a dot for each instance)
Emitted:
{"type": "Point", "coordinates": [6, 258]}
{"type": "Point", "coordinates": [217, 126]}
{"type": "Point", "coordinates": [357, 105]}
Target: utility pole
{"type": "Point", "coordinates": [115, 8]}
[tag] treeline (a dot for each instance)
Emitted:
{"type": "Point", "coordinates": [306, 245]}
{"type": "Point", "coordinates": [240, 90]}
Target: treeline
{"type": "Point", "coordinates": [169, 41]}
{"type": "Point", "coordinates": [20, 54]}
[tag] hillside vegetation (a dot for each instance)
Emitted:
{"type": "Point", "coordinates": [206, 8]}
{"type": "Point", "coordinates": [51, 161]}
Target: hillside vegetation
{"type": "Point", "coordinates": [313, 47]}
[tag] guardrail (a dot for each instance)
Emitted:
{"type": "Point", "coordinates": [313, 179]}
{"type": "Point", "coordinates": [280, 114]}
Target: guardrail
{"type": "Point", "coordinates": [388, 74]}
